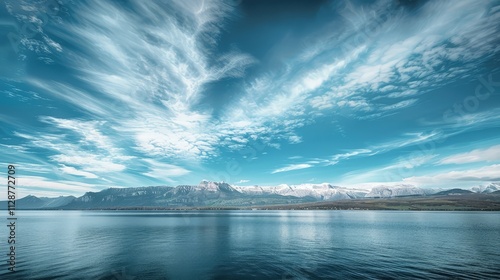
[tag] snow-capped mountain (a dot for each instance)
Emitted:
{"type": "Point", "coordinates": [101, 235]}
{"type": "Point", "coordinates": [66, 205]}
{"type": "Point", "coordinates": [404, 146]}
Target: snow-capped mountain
{"type": "Point", "coordinates": [493, 187]}
{"type": "Point", "coordinates": [209, 186]}
{"type": "Point", "coordinates": [323, 191]}
{"type": "Point", "coordinates": [326, 191]}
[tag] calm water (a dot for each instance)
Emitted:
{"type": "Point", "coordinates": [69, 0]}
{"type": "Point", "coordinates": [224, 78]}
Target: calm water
{"type": "Point", "coordinates": [254, 245]}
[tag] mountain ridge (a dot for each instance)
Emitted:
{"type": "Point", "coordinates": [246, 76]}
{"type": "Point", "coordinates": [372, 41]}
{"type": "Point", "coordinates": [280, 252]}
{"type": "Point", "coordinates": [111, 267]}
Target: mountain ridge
{"type": "Point", "coordinates": [208, 193]}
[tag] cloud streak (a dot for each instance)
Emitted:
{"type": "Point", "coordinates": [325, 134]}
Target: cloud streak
{"type": "Point", "coordinates": [478, 155]}
{"type": "Point", "coordinates": [484, 174]}
{"type": "Point", "coordinates": [292, 167]}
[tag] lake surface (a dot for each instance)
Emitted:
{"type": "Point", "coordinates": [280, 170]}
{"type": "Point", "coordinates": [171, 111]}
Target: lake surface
{"type": "Point", "coordinates": [254, 245]}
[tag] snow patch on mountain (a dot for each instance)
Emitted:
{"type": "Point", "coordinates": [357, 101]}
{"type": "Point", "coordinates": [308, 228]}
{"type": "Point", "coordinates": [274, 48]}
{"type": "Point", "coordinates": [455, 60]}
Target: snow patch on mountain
{"type": "Point", "coordinates": [323, 191]}
{"type": "Point", "coordinates": [214, 186]}
{"type": "Point", "coordinates": [492, 187]}
{"type": "Point", "coordinates": [399, 190]}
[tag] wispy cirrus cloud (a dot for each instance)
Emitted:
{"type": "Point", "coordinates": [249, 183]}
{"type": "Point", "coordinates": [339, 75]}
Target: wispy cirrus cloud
{"type": "Point", "coordinates": [32, 184]}
{"type": "Point", "coordinates": [242, 181]}
{"type": "Point", "coordinates": [292, 167]}
{"type": "Point", "coordinates": [478, 155]}
{"type": "Point", "coordinates": [73, 171]}
{"type": "Point", "coordinates": [156, 104]}
{"type": "Point", "coordinates": [478, 175]}
{"type": "Point", "coordinates": [398, 65]}
{"type": "Point", "coordinates": [154, 73]}
{"type": "Point", "coordinates": [92, 150]}
{"type": "Point", "coordinates": [164, 171]}
{"type": "Point", "coordinates": [405, 140]}
{"type": "Point", "coordinates": [345, 156]}
{"type": "Point", "coordinates": [393, 171]}
{"type": "Point", "coordinates": [459, 122]}
{"type": "Point", "coordinates": [90, 132]}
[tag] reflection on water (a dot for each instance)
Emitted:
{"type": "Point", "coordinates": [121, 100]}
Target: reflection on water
{"type": "Point", "coordinates": [255, 245]}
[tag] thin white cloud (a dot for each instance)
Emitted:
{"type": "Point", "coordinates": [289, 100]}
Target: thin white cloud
{"type": "Point", "coordinates": [454, 120]}
{"type": "Point", "coordinates": [357, 104]}
{"type": "Point", "coordinates": [292, 167]}
{"type": "Point", "coordinates": [41, 182]}
{"type": "Point", "coordinates": [344, 156]}
{"type": "Point", "coordinates": [396, 171]}
{"type": "Point", "coordinates": [90, 133]}
{"type": "Point", "coordinates": [489, 173]}
{"type": "Point", "coordinates": [399, 105]}
{"type": "Point", "coordinates": [295, 157]}
{"type": "Point", "coordinates": [294, 139]}
{"type": "Point", "coordinates": [14, 147]}
{"type": "Point", "coordinates": [242, 181]}
{"type": "Point", "coordinates": [79, 147]}
{"type": "Point", "coordinates": [350, 154]}
{"type": "Point", "coordinates": [88, 162]}
{"type": "Point", "coordinates": [94, 152]}
{"type": "Point", "coordinates": [36, 15]}
{"type": "Point", "coordinates": [408, 139]}
{"type": "Point", "coordinates": [405, 140]}
{"type": "Point", "coordinates": [41, 186]}
{"type": "Point", "coordinates": [479, 155]}
{"type": "Point", "coordinates": [164, 171]}
{"type": "Point", "coordinates": [404, 64]}
{"type": "Point", "coordinates": [73, 171]}
{"type": "Point", "coordinates": [405, 93]}
{"type": "Point", "coordinates": [41, 167]}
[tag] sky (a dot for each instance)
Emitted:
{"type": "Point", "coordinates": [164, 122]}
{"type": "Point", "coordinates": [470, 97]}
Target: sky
{"type": "Point", "coordinates": [100, 94]}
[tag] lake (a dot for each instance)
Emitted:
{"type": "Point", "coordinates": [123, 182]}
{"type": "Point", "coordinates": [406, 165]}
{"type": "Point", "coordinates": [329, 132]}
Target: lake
{"type": "Point", "coordinates": [253, 245]}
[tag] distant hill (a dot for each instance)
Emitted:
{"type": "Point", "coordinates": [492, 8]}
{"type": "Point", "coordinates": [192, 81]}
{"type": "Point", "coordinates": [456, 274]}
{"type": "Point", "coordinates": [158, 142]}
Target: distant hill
{"type": "Point", "coordinates": [454, 192]}
{"type": "Point", "coordinates": [465, 202]}
{"type": "Point", "coordinates": [120, 197]}
{"type": "Point", "coordinates": [219, 194]}
{"type": "Point", "coordinates": [33, 202]}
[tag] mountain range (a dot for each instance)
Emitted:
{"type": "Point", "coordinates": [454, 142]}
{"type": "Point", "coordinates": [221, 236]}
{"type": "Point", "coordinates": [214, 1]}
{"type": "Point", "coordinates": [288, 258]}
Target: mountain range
{"type": "Point", "coordinates": [220, 194]}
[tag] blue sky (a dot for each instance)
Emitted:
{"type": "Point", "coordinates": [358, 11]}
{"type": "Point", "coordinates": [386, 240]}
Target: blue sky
{"type": "Point", "coordinates": [99, 94]}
